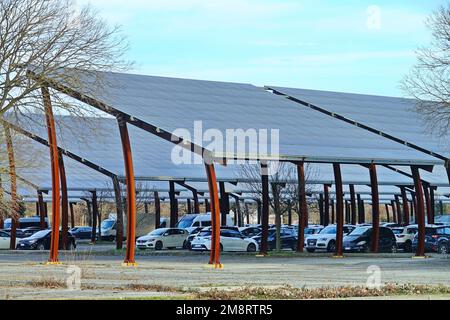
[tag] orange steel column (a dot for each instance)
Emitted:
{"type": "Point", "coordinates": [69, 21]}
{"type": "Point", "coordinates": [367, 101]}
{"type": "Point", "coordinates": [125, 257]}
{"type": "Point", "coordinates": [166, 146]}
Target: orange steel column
{"type": "Point", "coordinates": [303, 206]}
{"type": "Point", "coordinates": [56, 201]}
{"type": "Point", "coordinates": [64, 204]}
{"type": "Point", "coordinates": [420, 211]}
{"type": "Point", "coordinates": [339, 210]}
{"type": "Point", "coordinates": [375, 208]}
{"type": "Point", "coordinates": [131, 193]}
{"type": "Point", "coordinates": [215, 216]}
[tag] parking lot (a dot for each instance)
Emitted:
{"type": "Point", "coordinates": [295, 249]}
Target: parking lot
{"type": "Point", "coordinates": [176, 274]}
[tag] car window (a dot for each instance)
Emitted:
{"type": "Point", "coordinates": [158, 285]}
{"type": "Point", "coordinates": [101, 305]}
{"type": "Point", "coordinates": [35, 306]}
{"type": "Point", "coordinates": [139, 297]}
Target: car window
{"type": "Point", "coordinates": [196, 224]}
{"type": "Point", "coordinates": [440, 231]}
{"type": "Point", "coordinates": [3, 234]}
{"type": "Point", "coordinates": [206, 223]}
{"type": "Point", "coordinates": [225, 233]}
{"type": "Point", "coordinates": [234, 234]}
{"type": "Point", "coordinates": [412, 231]}
{"type": "Point", "coordinates": [447, 231]}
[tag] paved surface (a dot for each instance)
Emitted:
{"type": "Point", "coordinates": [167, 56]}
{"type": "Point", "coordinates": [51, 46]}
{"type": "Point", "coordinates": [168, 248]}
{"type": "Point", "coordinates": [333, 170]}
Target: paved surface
{"type": "Point", "coordinates": [103, 276]}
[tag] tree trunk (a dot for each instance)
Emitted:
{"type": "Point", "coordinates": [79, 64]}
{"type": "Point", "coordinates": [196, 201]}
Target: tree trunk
{"type": "Point", "coordinates": [13, 182]}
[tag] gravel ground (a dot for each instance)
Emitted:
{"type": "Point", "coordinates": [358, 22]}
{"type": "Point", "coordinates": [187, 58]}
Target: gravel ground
{"type": "Point", "coordinates": [165, 275]}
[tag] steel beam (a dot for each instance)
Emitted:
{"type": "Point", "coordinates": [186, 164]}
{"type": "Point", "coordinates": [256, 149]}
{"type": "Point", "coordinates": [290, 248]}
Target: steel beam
{"type": "Point", "coordinates": [375, 209]}
{"type": "Point", "coordinates": [265, 209]}
{"type": "Point", "coordinates": [215, 216]}
{"type": "Point", "coordinates": [399, 210]}
{"type": "Point", "coordinates": [54, 156]}
{"type": "Point", "coordinates": [303, 205]}
{"type": "Point", "coordinates": [321, 209]}
{"type": "Point", "coordinates": [326, 194]}
{"type": "Point", "coordinates": [94, 217]}
{"type": "Point", "coordinates": [353, 204]}
{"type": "Point", "coordinates": [420, 212]}
{"type": "Point", "coordinates": [339, 209]}
{"type": "Point", "coordinates": [224, 204]}
{"type": "Point", "coordinates": [173, 205]}
{"type": "Point", "coordinates": [131, 193]}
{"type": "Point", "coordinates": [157, 211]}
{"type": "Point", "coordinates": [119, 212]}
{"type": "Point", "coordinates": [64, 204]}
{"type": "Point", "coordinates": [405, 219]}
{"type": "Point", "coordinates": [388, 217]}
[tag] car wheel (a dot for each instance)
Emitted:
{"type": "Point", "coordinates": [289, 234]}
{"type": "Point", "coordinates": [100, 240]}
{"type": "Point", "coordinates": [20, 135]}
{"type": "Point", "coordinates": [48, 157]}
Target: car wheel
{"type": "Point", "coordinates": [251, 247]}
{"type": "Point", "coordinates": [408, 246]}
{"type": "Point", "coordinates": [443, 248]}
{"type": "Point", "coordinates": [365, 249]}
{"type": "Point", "coordinates": [71, 246]}
{"type": "Point", "coordinates": [41, 247]}
{"type": "Point", "coordinates": [331, 246]}
{"type": "Point", "coordinates": [158, 246]}
{"type": "Point", "coordinates": [311, 250]}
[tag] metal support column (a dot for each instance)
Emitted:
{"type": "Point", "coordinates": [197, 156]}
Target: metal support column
{"type": "Point", "coordinates": [41, 210]}
{"type": "Point", "coordinates": [119, 211]}
{"type": "Point", "coordinates": [321, 210]}
{"type": "Point", "coordinates": [56, 201]}
{"type": "Point", "coordinates": [72, 215]}
{"type": "Point", "coordinates": [94, 217]}
{"type": "Point", "coordinates": [173, 205]}
{"type": "Point", "coordinates": [326, 205]}
{"type": "Point", "coordinates": [265, 210]}
{"type": "Point", "coordinates": [131, 193]}
{"type": "Point", "coordinates": [339, 209]}
{"type": "Point", "coordinates": [224, 204]}
{"type": "Point", "coordinates": [405, 206]}
{"type": "Point", "coordinates": [399, 210]}
{"type": "Point", "coordinates": [215, 216]}
{"type": "Point", "coordinates": [157, 211]}
{"type": "Point", "coordinates": [420, 211]}
{"type": "Point", "coordinates": [303, 206]}
{"type": "Point", "coordinates": [388, 217]}
{"type": "Point", "coordinates": [353, 204]}
{"type": "Point", "coordinates": [64, 204]}
{"type": "Point", "coordinates": [394, 211]}
{"type": "Point", "coordinates": [375, 208]}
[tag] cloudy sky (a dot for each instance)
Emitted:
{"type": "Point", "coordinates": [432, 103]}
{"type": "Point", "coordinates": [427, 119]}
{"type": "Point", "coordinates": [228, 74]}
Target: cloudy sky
{"type": "Point", "coordinates": [353, 46]}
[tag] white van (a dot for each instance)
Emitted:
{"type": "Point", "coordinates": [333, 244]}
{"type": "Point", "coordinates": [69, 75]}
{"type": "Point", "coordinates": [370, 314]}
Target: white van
{"type": "Point", "coordinates": [191, 222]}
{"type": "Point", "coordinates": [109, 227]}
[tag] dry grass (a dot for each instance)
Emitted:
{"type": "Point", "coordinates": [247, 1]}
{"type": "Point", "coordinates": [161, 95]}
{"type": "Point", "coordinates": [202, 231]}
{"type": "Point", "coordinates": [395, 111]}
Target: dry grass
{"type": "Point", "coordinates": [47, 283]}
{"type": "Point", "coordinates": [291, 293]}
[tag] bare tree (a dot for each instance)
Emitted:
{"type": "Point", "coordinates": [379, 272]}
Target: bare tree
{"type": "Point", "coordinates": [41, 39]}
{"type": "Point", "coordinates": [429, 80]}
{"type": "Point", "coordinates": [284, 195]}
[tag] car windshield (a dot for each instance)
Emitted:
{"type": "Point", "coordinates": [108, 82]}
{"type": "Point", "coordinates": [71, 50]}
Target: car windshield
{"type": "Point", "coordinates": [40, 234]}
{"type": "Point", "coordinates": [328, 230]}
{"type": "Point", "coordinates": [397, 231]}
{"type": "Point", "coordinates": [360, 231]}
{"type": "Point", "coordinates": [185, 222]}
{"type": "Point", "coordinates": [7, 225]}
{"type": "Point", "coordinates": [204, 233]}
{"type": "Point", "coordinates": [108, 224]}
{"type": "Point", "coordinates": [157, 232]}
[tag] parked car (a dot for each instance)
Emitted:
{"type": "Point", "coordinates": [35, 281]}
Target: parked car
{"type": "Point", "coordinates": [230, 240]}
{"type": "Point", "coordinates": [41, 241]}
{"type": "Point", "coordinates": [27, 223]}
{"type": "Point", "coordinates": [19, 233]}
{"type": "Point", "coordinates": [325, 239]}
{"type": "Point", "coordinates": [250, 231]}
{"type": "Point", "coordinates": [192, 221]}
{"type": "Point", "coordinates": [360, 240]}
{"type": "Point", "coordinates": [165, 238]}
{"type": "Point", "coordinates": [311, 230]}
{"type": "Point", "coordinates": [391, 225]}
{"type": "Point", "coordinates": [405, 237]}
{"type": "Point", "coordinates": [437, 239]}
{"type": "Point", "coordinates": [191, 237]}
{"type": "Point", "coordinates": [28, 232]}
{"type": "Point", "coordinates": [5, 241]}
{"type": "Point", "coordinates": [288, 239]}
{"type": "Point", "coordinates": [82, 233]}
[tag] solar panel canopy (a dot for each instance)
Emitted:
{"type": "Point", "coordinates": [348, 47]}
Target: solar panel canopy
{"type": "Point", "coordinates": [172, 104]}
{"type": "Point", "coordinates": [394, 116]}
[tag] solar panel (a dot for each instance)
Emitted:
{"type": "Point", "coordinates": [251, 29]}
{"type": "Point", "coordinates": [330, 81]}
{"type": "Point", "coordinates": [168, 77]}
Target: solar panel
{"type": "Point", "coordinates": [170, 104]}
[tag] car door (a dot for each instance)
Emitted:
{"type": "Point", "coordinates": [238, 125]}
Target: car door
{"type": "Point", "coordinates": [227, 240]}
{"type": "Point", "coordinates": [4, 241]}
{"type": "Point", "coordinates": [238, 243]}
{"type": "Point", "coordinates": [181, 237]}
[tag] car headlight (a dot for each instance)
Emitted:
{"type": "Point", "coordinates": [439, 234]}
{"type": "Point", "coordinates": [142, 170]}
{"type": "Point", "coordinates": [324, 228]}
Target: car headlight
{"type": "Point", "coordinates": [361, 243]}
{"type": "Point", "coordinates": [151, 240]}
{"type": "Point", "coordinates": [323, 239]}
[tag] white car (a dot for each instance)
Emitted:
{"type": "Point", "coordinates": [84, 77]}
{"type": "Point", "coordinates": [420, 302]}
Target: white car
{"type": "Point", "coordinates": [325, 239]}
{"type": "Point", "coordinates": [165, 238]}
{"type": "Point", "coordinates": [405, 237]}
{"type": "Point", "coordinates": [4, 240]}
{"type": "Point", "coordinates": [230, 240]}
